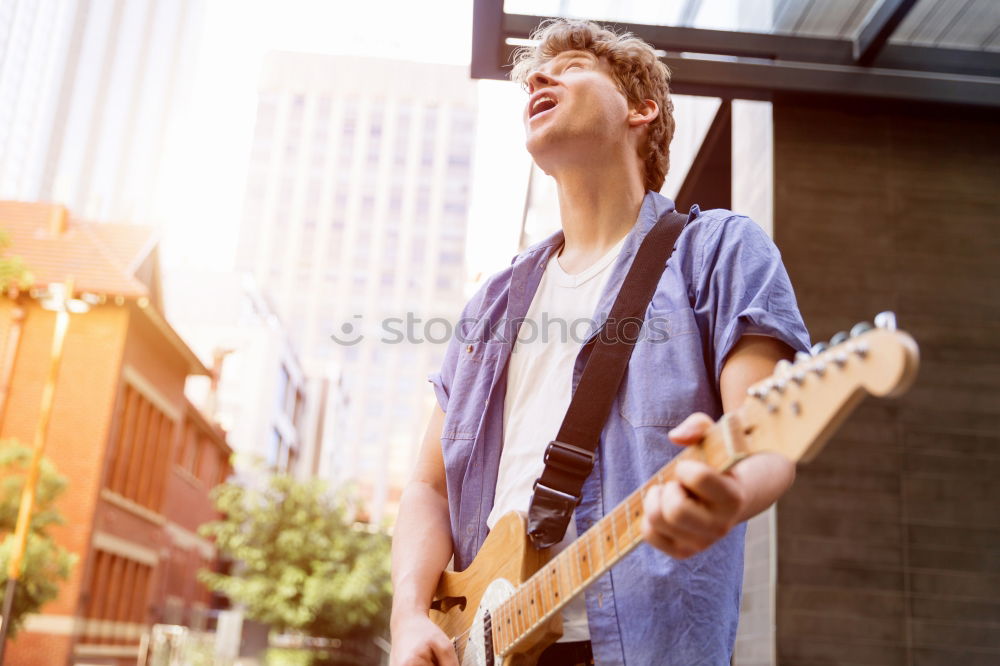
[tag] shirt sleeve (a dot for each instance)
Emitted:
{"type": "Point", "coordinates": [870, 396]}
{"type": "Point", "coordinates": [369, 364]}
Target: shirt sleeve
{"type": "Point", "coordinates": [743, 289]}
{"type": "Point", "coordinates": [441, 379]}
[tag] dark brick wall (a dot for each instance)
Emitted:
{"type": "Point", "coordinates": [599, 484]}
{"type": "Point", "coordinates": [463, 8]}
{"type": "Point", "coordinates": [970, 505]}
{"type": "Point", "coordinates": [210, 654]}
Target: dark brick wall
{"type": "Point", "coordinates": [889, 543]}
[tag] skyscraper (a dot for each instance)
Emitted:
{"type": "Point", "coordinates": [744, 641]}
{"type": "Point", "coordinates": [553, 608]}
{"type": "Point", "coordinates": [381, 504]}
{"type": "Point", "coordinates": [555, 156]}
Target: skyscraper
{"type": "Point", "coordinates": [87, 91]}
{"type": "Point", "coordinates": [355, 224]}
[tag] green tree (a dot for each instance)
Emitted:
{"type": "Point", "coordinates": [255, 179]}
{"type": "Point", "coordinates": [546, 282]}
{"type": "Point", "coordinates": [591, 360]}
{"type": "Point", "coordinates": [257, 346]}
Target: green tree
{"type": "Point", "coordinates": [46, 562]}
{"type": "Point", "coordinates": [13, 274]}
{"type": "Point", "coordinates": [300, 562]}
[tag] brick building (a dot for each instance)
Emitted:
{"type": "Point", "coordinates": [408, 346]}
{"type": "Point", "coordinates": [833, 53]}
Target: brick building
{"type": "Point", "coordinates": [139, 457]}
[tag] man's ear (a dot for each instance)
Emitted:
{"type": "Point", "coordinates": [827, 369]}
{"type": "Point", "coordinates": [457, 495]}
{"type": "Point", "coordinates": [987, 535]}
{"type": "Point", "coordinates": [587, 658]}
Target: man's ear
{"type": "Point", "coordinates": [643, 113]}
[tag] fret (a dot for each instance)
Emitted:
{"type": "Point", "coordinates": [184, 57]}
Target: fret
{"type": "Point", "coordinates": [530, 607]}
{"type": "Point", "coordinates": [503, 621]}
{"type": "Point", "coordinates": [620, 527]}
{"type": "Point", "coordinates": [575, 556]}
{"type": "Point", "coordinates": [563, 566]}
{"type": "Point", "coordinates": [527, 609]}
{"type": "Point", "coordinates": [546, 586]}
{"type": "Point", "coordinates": [497, 616]}
{"type": "Point", "coordinates": [604, 535]}
{"type": "Point", "coordinates": [543, 593]}
{"type": "Point", "coordinates": [526, 606]}
{"type": "Point", "coordinates": [533, 602]}
{"type": "Point", "coordinates": [583, 561]}
{"type": "Point", "coordinates": [511, 627]}
{"type": "Point", "coordinates": [508, 624]}
{"type": "Point", "coordinates": [594, 548]}
{"type": "Point", "coordinates": [600, 544]}
{"type": "Point", "coordinates": [596, 553]}
{"type": "Point", "coordinates": [553, 585]}
{"type": "Point", "coordinates": [543, 598]}
{"type": "Point", "coordinates": [611, 532]}
{"type": "Point", "coordinates": [628, 521]}
{"type": "Point", "coordinates": [634, 508]}
{"type": "Point", "coordinates": [512, 606]}
{"type": "Point", "coordinates": [519, 619]}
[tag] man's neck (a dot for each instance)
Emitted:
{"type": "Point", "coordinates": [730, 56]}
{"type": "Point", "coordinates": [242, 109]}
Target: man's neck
{"type": "Point", "coordinates": [597, 209]}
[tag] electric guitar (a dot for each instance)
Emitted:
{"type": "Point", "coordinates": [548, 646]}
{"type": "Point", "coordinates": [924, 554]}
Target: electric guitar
{"type": "Point", "coordinates": [504, 609]}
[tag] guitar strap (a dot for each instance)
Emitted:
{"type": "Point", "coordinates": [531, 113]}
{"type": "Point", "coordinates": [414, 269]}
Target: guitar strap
{"type": "Point", "coordinates": [569, 458]}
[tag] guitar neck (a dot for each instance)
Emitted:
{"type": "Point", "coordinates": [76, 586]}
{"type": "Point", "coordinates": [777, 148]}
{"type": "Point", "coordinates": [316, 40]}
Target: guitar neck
{"type": "Point", "coordinates": [610, 539]}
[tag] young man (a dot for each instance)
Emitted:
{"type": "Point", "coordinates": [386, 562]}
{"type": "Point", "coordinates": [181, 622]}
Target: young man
{"type": "Point", "coordinates": [598, 119]}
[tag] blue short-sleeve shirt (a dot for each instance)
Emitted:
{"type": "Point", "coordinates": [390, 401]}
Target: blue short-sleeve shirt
{"type": "Point", "coordinates": [724, 280]}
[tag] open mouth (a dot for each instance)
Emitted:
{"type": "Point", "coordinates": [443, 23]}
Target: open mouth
{"type": "Point", "coordinates": [541, 105]}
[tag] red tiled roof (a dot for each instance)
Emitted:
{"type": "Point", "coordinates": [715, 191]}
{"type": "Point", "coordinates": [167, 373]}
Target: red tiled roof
{"type": "Point", "coordinates": [101, 257]}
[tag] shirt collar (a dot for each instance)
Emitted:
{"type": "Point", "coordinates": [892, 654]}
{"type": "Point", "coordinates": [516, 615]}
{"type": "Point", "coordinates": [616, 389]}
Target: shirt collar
{"type": "Point", "coordinates": [654, 206]}
{"type": "Point", "coordinates": [530, 264]}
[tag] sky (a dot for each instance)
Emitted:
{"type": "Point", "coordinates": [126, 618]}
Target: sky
{"type": "Point", "coordinates": [207, 158]}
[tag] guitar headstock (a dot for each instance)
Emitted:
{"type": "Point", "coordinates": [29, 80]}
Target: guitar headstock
{"type": "Point", "coordinates": [796, 410]}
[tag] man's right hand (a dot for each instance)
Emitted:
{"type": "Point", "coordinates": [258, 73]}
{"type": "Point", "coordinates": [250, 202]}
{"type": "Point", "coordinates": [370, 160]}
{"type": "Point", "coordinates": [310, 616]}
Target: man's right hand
{"type": "Point", "coordinates": [421, 548]}
{"type": "Point", "coordinates": [416, 641]}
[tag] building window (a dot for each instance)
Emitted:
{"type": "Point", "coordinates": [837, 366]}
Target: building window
{"type": "Point", "coordinates": [188, 455]}
{"type": "Point", "coordinates": [273, 456]}
{"type": "Point", "coordinates": [118, 596]}
{"type": "Point", "coordinates": [281, 392]}
{"type": "Point", "coordinates": [140, 450]}
{"type": "Point", "coordinates": [300, 404]}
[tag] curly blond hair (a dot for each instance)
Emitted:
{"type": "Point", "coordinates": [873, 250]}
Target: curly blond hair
{"type": "Point", "coordinates": [634, 66]}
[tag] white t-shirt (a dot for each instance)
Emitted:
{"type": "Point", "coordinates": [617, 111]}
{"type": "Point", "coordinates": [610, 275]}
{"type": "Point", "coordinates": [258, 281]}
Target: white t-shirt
{"type": "Point", "coordinates": [539, 387]}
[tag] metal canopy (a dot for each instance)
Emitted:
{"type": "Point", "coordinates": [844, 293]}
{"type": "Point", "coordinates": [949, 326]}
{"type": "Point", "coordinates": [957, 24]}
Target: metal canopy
{"type": "Point", "coordinates": [895, 49]}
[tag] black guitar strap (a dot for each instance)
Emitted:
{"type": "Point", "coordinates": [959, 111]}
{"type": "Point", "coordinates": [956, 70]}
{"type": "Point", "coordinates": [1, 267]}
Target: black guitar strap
{"type": "Point", "coordinates": [569, 458]}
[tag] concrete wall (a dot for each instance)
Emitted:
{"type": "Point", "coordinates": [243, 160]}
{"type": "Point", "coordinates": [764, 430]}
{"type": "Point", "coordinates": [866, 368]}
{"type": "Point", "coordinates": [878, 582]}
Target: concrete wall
{"type": "Point", "coordinates": [889, 543]}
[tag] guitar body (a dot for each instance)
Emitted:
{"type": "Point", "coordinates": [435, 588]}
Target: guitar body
{"type": "Point", "coordinates": [464, 599]}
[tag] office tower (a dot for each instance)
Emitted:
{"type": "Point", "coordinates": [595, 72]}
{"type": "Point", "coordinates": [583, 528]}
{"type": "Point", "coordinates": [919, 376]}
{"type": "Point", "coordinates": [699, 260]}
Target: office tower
{"type": "Point", "coordinates": [354, 224]}
{"type": "Point", "coordinates": [87, 93]}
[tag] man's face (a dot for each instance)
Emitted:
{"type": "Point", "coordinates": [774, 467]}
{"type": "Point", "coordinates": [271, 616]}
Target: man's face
{"type": "Point", "coordinates": [574, 108]}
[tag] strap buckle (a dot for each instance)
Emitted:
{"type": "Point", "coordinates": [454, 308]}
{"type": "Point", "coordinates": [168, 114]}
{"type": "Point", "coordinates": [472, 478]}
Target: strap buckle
{"type": "Point", "coordinates": [549, 514]}
{"type": "Point", "coordinates": [568, 458]}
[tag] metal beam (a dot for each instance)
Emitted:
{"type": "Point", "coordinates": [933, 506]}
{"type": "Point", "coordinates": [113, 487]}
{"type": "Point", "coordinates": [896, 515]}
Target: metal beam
{"type": "Point", "coordinates": [680, 39]}
{"type": "Point", "coordinates": [487, 40]}
{"type": "Point", "coordinates": [939, 59]}
{"type": "Point", "coordinates": [879, 25]}
{"type": "Point", "coordinates": [757, 80]}
{"type": "Point", "coordinates": [756, 65]}
{"type": "Point", "coordinates": [677, 39]}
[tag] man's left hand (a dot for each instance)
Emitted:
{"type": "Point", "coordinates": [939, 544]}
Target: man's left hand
{"type": "Point", "coordinates": [687, 515]}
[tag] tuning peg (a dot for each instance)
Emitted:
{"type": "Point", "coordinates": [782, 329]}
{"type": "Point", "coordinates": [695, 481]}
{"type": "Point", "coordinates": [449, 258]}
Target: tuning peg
{"type": "Point", "coordinates": [818, 348]}
{"type": "Point", "coordinates": [839, 337]}
{"type": "Point", "coordinates": [860, 328]}
{"type": "Point", "coordinates": [886, 320]}
{"type": "Point", "coordinates": [802, 356]}
{"type": "Point", "coordinates": [782, 366]}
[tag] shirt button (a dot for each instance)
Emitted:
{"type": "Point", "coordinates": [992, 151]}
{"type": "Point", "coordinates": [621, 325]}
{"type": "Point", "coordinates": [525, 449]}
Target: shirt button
{"type": "Point", "coordinates": [469, 349]}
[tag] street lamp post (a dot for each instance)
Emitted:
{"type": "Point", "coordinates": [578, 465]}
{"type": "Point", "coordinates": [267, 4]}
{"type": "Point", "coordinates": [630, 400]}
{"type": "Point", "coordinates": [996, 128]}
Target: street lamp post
{"type": "Point", "coordinates": [60, 299]}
